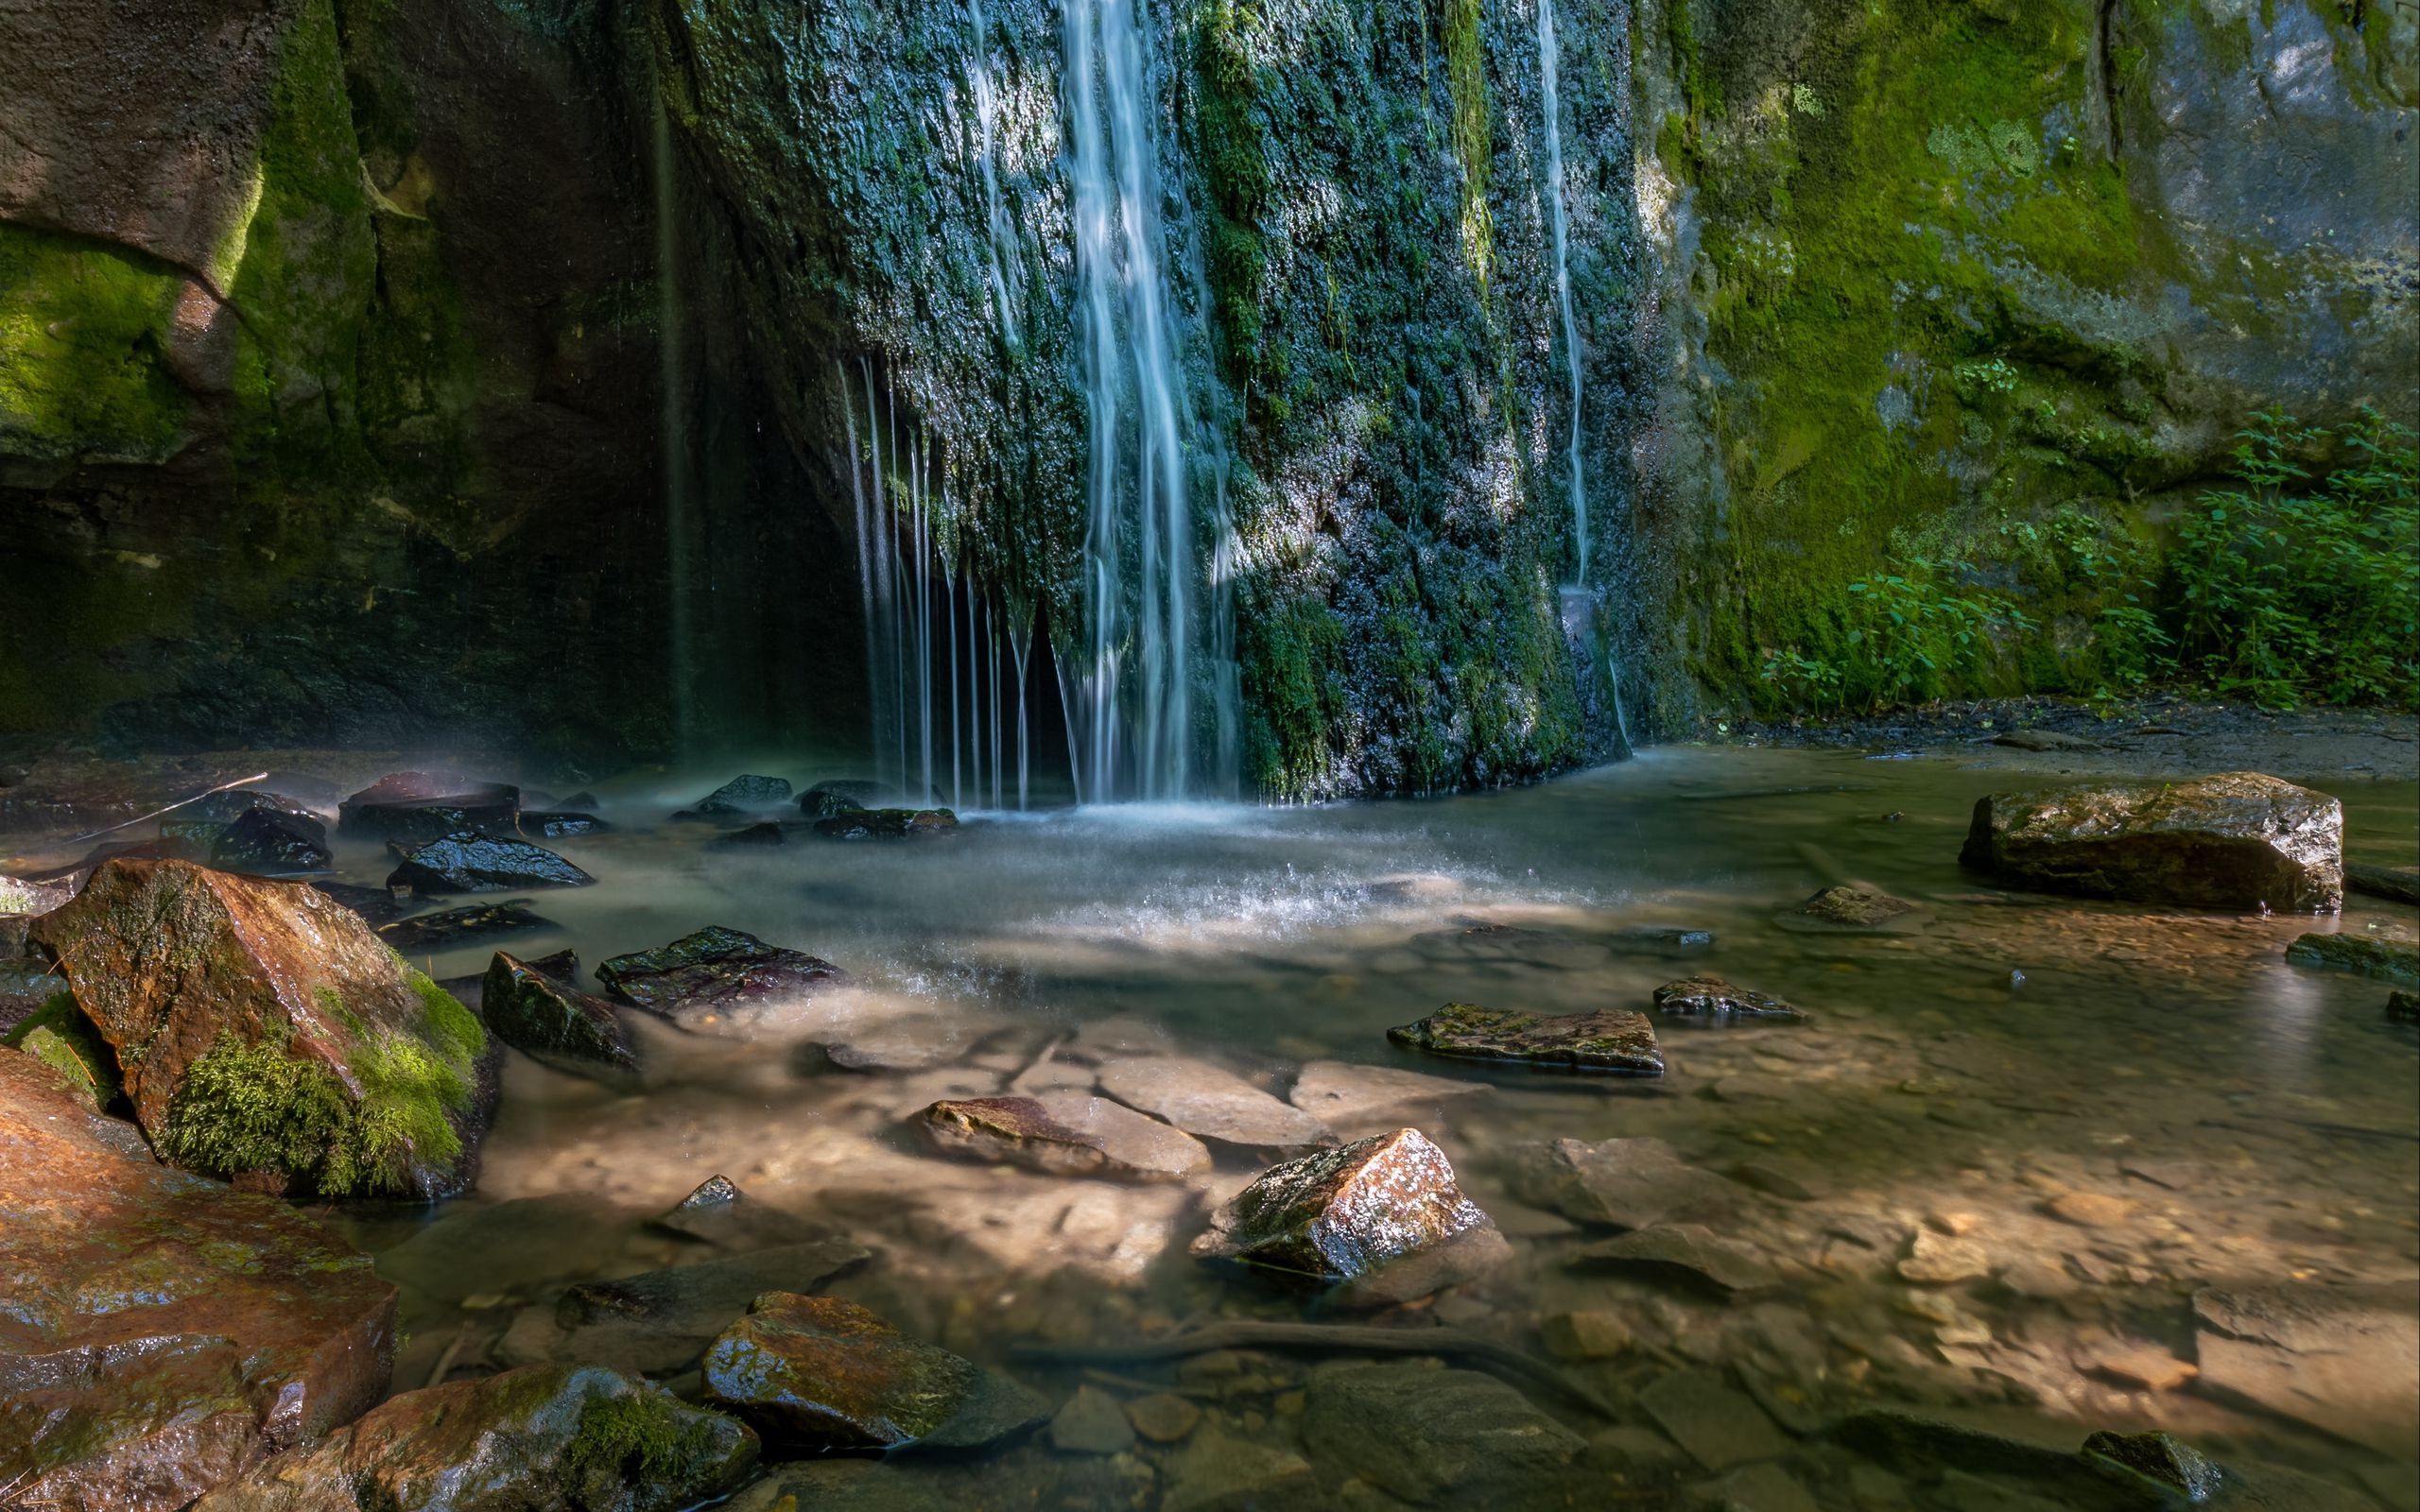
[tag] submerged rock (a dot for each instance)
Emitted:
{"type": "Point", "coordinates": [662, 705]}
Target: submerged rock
{"type": "Point", "coordinates": [545, 1016]}
{"type": "Point", "coordinates": [1211, 1102]}
{"type": "Point", "coordinates": [886, 824]}
{"type": "Point", "coordinates": [1609, 1039]}
{"type": "Point", "coordinates": [273, 841]}
{"type": "Point", "coordinates": [559, 824]}
{"type": "Point", "coordinates": [466, 861]}
{"type": "Point", "coordinates": [660, 1321]}
{"type": "Point", "coordinates": [1847, 907]}
{"type": "Point", "coordinates": [1711, 997]}
{"type": "Point", "coordinates": [426, 805]}
{"type": "Point", "coordinates": [2340, 1358]}
{"type": "Point", "coordinates": [2236, 840]}
{"type": "Point", "coordinates": [813, 1373]}
{"type": "Point", "coordinates": [741, 794]}
{"type": "Point", "coordinates": [1347, 1096]}
{"type": "Point", "coordinates": [824, 800]}
{"type": "Point", "coordinates": [713, 967]}
{"type": "Point", "coordinates": [1065, 1133]}
{"type": "Point", "coordinates": [1661, 940]}
{"type": "Point", "coordinates": [159, 1330]}
{"type": "Point", "coordinates": [1626, 1183]}
{"type": "Point", "coordinates": [1719, 1427]}
{"type": "Point", "coordinates": [1442, 1438]}
{"type": "Point", "coordinates": [1685, 1248]}
{"type": "Point", "coordinates": [2394, 884]}
{"type": "Point", "coordinates": [1344, 1213]}
{"type": "Point", "coordinates": [767, 833]}
{"type": "Point", "coordinates": [450, 927]}
{"type": "Point", "coordinates": [718, 1213]}
{"type": "Point", "coordinates": [551, 1438]}
{"type": "Point", "coordinates": [2403, 1007]}
{"type": "Point", "coordinates": [265, 1032]}
{"type": "Point", "coordinates": [2387, 960]}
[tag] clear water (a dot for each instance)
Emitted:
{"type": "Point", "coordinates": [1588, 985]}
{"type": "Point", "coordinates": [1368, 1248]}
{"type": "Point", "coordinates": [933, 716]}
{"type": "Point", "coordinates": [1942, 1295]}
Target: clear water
{"type": "Point", "coordinates": [2263, 1121]}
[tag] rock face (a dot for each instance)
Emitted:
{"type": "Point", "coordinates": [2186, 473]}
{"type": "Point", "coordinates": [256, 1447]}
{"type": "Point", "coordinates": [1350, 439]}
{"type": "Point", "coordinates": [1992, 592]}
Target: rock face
{"type": "Point", "coordinates": [466, 861]}
{"type": "Point", "coordinates": [816, 1373]}
{"type": "Point", "coordinates": [428, 805]}
{"type": "Point", "coordinates": [534, 1012]}
{"type": "Point", "coordinates": [712, 968]}
{"type": "Point", "coordinates": [2237, 840]}
{"type": "Point", "coordinates": [1711, 997]}
{"type": "Point", "coordinates": [550, 1439]}
{"type": "Point", "coordinates": [886, 824]}
{"type": "Point", "coordinates": [1609, 1039]}
{"type": "Point", "coordinates": [263, 1029]}
{"type": "Point", "coordinates": [160, 1330]}
{"type": "Point", "coordinates": [1343, 1214]}
{"type": "Point", "coordinates": [1211, 1103]}
{"type": "Point", "coordinates": [1065, 1133]}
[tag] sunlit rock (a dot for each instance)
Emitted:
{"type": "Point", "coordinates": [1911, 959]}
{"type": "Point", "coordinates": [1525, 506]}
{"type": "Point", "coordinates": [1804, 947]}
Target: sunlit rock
{"type": "Point", "coordinates": [553, 1438]}
{"type": "Point", "coordinates": [1348, 1097]}
{"type": "Point", "coordinates": [817, 1373]}
{"type": "Point", "coordinates": [159, 1330]}
{"type": "Point", "coordinates": [1711, 997]}
{"type": "Point", "coordinates": [2340, 1358]}
{"type": "Point", "coordinates": [1065, 1133]}
{"type": "Point", "coordinates": [2237, 840]}
{"type": "Point", "coordinates": [265, 1032]}
{"type": "Point", "coordinates": [1343, 1214]}
{"type": "Point", "coordinates": [1608, 1039]}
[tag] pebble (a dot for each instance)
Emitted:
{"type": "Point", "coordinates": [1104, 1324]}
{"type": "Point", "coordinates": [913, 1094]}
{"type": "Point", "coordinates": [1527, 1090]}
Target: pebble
{"type": "Point", "coordinates": [1092, 1423]}
{"type": "Point", "coordinates": [2090, 1210]}
{"type": "Point", "coordinates": [1594, 1334]}
{"type": "Point", "coordinates": [2148, 1368]}
{"type": "Point", "coordinates": [1934, 1260]}
{"type": "Point", "coordinates": [1163, 1418]}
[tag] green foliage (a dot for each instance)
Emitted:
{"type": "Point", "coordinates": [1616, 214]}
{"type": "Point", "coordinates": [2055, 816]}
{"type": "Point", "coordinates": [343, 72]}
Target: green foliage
{"type": "Point", "coordinates": [641, 1439]}
{"type": "Point", "coordinates": [1234, 160]}
{"type": "Point", "coordinates": [60, 1036]}
{"type": "Point", "coordinates": [1914, 633]}
{"type": "Point", "coordinates": [1474, 133]}
{"type": "Point", "coordinates": [2281, 591]}
{"type": "Point", "coordinates": [2076, 556]}
{"type": "Point", "coordinates": [254, 1108]}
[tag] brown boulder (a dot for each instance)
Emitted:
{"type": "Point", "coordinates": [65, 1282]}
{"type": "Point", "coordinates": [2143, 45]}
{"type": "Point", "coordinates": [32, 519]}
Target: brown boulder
{"type": "Point", "coordinates": [1711, 997]}
{"type": "Point", "coordinates": [159, 1330]}
{"type": "Point", "coordinates": [2236, 840]}
{"type": "Point", "coordinates": [263, 1029]}
{"type": "Point", "coordinates": [551, 1438]}
{"type": "Point", "coordinates": [1343, 1213]}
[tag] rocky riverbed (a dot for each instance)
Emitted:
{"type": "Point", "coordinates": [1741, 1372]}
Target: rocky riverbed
{"type": "Point", "coordinates": [1187, 1157]}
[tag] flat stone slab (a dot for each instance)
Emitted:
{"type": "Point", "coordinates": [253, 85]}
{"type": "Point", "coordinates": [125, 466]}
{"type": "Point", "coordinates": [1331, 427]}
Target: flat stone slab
{"type": "Point", "coordinates": [2384, 960]}
{"type": "Point", "coordinates": [1344, 1095]}
{"type": "Point", "coordinates": [2340, 1358]}
{"type": "Point", "coordinates": [1065, 1133]}
{"type": "Point", "coordinates": [160, 1330]}
{"type": "Point", "coordinates": [2236, 840]}
{"type": "Point", "coordinates": [1686, 1249]}
{"type": "Point", "coordinates": [1627, 1183]}
{"type": "Point", "coordinates": [424, 805]}
{"type": "Point", "coordinates": [1844, 908]}
{"type": "Point", "coordinates": [454, 926]}
{"type": "Point", "coordinates": [1711, 997]}
{"type": "Point", "coordinates": [1211, 1102]}
{"type": "Point", "coordinates": [1437, 1438]}
{"type": "Point", "coordinates": [712, 968]}
{"type": "Point", "coordinates": [467, 861]}
{"type": "Point", "coordinates": [1609, 1039]}
{"type": "Point", "coordinates": [1719, 1427]}
{"type": "Point", "coordinates": [717, 1213]}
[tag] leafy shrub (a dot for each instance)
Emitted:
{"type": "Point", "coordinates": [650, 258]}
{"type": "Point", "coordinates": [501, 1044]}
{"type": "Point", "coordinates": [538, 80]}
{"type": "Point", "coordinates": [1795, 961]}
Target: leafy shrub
{"type": "Point", "coordinates": [1918, 632]}
{"type": "Point", "coordinates": [2280, 593]}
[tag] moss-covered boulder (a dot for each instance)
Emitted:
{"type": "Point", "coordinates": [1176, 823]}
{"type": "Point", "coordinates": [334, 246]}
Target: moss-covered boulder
{"type": "Point", "coordinates": [712, 968]}
{"type": "Point", "coordinates": [2237, 840]}
{"type": "Point", "coordinates": [554, 1020]}
{"type": "Point", "coordinates": [550, 1439]}
{"type": "Point", "coordinates": [160, 1330]}
{"type": "Point", "coordinates": [265, 1032]}
{"type": "Point", "coordinates": [2383, 959]}
{"type": "Point", "coordinates": [60, 1037]}
{"type": "Point", "coordinates": [1608, 1039]}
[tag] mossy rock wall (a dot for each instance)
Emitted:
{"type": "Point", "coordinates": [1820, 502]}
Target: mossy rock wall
{"type": "Point", "coordinates": [1994, 285]}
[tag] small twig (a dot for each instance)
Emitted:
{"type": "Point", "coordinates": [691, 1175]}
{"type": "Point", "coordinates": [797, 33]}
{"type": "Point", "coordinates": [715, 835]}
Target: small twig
{"type": "Point", "coordinates": [256, 776]}
{"type": "Point", "coordinates": [445, 1361]}
{"type": "Point", "coordinates": [1040, 1060]}
{"type": "Point", "coordinates": [1110, 1378]}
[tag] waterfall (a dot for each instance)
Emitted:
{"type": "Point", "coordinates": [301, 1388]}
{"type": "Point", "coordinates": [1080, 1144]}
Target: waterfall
{"type": "Point", "coordinates": [1001, 228]}
{"type": "Point", "coordinates": [1142, 566]}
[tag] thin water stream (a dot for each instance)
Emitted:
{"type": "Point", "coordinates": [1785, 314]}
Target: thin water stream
{"type": "Point", "coordinates": [2237, 1120]}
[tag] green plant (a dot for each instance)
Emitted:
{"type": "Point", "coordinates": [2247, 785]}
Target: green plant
{"type": "Point", "coordinates": [2079, 556]}
{"type": "Point", "coordinates": [2281, 592]}
{"type": "Point", "coordinates": [1918, 632]}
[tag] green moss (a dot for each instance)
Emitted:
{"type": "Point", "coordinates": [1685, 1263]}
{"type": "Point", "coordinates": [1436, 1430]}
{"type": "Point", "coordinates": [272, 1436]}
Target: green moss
{"type": "Point", "coordinates": [83, 366]}
{"type": "Point", "coordinates": [645, 1438]}
{"type": "Point", "coordinates": [1474, 132]}
{"type": "Point", "coordinates": [454, 1029]}
{"type": "Point", "coordinates": [60, 1036]}
{"type": "Point", "coordinates": [254, 1108]}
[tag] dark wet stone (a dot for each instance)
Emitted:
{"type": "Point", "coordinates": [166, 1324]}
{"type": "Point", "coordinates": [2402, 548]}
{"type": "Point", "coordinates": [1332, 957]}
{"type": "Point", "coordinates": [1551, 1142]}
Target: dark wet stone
{"type": "Point", "coordinates": [1626, 1183]}
{"type": "Point", "coordinates": [1442, 1438]}
{"type": "Point", "coordinates": [426, 805]}
{"type": "Point", "coordinates": [662, 1320]}
{"type": "Point", "coordinates": [455, 926]}
{"type": "Point", "coordinates": [1070, 1133]}
{"type": "Point", "coordinates": [813, 1373]}
{"type": "Point", "coordinates": [376, 905]}
{"type": "Point", "coordinates": [824, 800]}
{"type": "Point", "coordinates": [2156, 1463]}
{"type": "Point", "coordinates": [741, 794]}
{"type": "Point", "coordinates": [270, 841]}
{"type": "Point", "coordinates": [468, 862]}
{"type": "Point", "coordinates": [1662, 940]}
{"type": "Point", "coordinates": [23, 897]}
{"type": "Point", "coordinates": [1609, 1039]}
{"type": "Point", "coordinates": [1719, 1427]}
{"type": "Point", "coordinates": [2403, 1007]}
{"type": "Point", "coordinates": [561, 824]}
{"type": "Point", "coordinates": [886, 824]}
{"type": "Point", "coordinates": [718, 1213]}
{"type": "Point", "coordinates": [226, 808]}
{"type": "Point", "coordinates": [769, 832]}
{"type": "Point", "coordinates": [711, 967]}
{"type": "Point", "coordinates": [2387, 960]}
{"type": "Point", "coordinates": [2041, 740]}
{"type": "Point", "coordinates": [1345, 1213]}
{"type": "Point", "coordinates": [2398, 886]}
{"type": "Point", "coordinates": [1844, 907]}
{"type": "Point", "coordinates": [1711, 997]}
{"type": "Point", "coordinates": [550, 1439]}
{"type": "Point", "coordinates": [1688, 1249]}
{"type": "Point", "coordinates": [536, 1013]}
{"type": "Point", "coordinates": [159, 1330]}
{"type": "Point", "coordinates": [1091, 1422]}
{"type": "Point", "coordinates": [2236, 840]}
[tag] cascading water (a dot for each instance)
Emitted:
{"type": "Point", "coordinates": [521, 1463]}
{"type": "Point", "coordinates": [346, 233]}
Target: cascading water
{"type": "Point", "coordinates": [1143, 567]}
{"type": "Point", "coordinates": [1002, 230]}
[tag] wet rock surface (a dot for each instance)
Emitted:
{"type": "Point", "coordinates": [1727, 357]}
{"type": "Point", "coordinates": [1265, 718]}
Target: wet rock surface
{"type": "Point", "coordinates": [60, 1037]}
{"type": "Point", "coordinates": [160, 1330]}
{"type": "Point", "coordinates": [549, 1438]}
{"type": "Point", "coordinates": [427, 806]}
{"type": "Point", "coordinates": [717, 1213]}
{"type": "Point", "coordinates": [450, 927]}
{"type": "Point", "coordinates": [661, 1321]}
{"type": "Point", "coordinates": [1847, 907]}
{"type": "Point", "coordinates": [559, 824]}
{"type": "Point", "coordinates": [545, 1016]}
{"type": "Point", "coordinates": [813, 1373]}
{"type": "Point", "coordinates": [1065, 1133]}
{"type": "Point", "coordinates": [2370, 955]}
{"type": "Point", "coordinates": [886, 824]}
{"type": "Point", "coordinates": [712, 968]}
{"type": "Point", "coordinates": [739, 797]}
{"type": "Point", "coordinates": [2394, 884]}
{"type": "Point", "coordinates": [1684, 1250]}
{"type": "Point", "coordinates": [466, 861]}
{"type": "Point", "coordinates": [1711, 997]}
{"type": "Point", "coordinates": [1621, 1183]}
{"type": "Point", "coordinates": [1345, 1213]}
{"type": "Point", "coordinates": [2237, 840]}
{"type": "Point", "coordinates": [265, 1030]}
{"type": "Point", "coordinates": [1610, 1039]}
{"type": "Point", "coordinates": [2340, 1358]}
{"type": "Point", "coordinates": [1210, 1102]}
{"type": "Point", "coordinates": [1443, 1438]}
{"type": "Point", "coordinates": [846, 795]}
{"type": "Point", "coordinates": [273, 842]}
